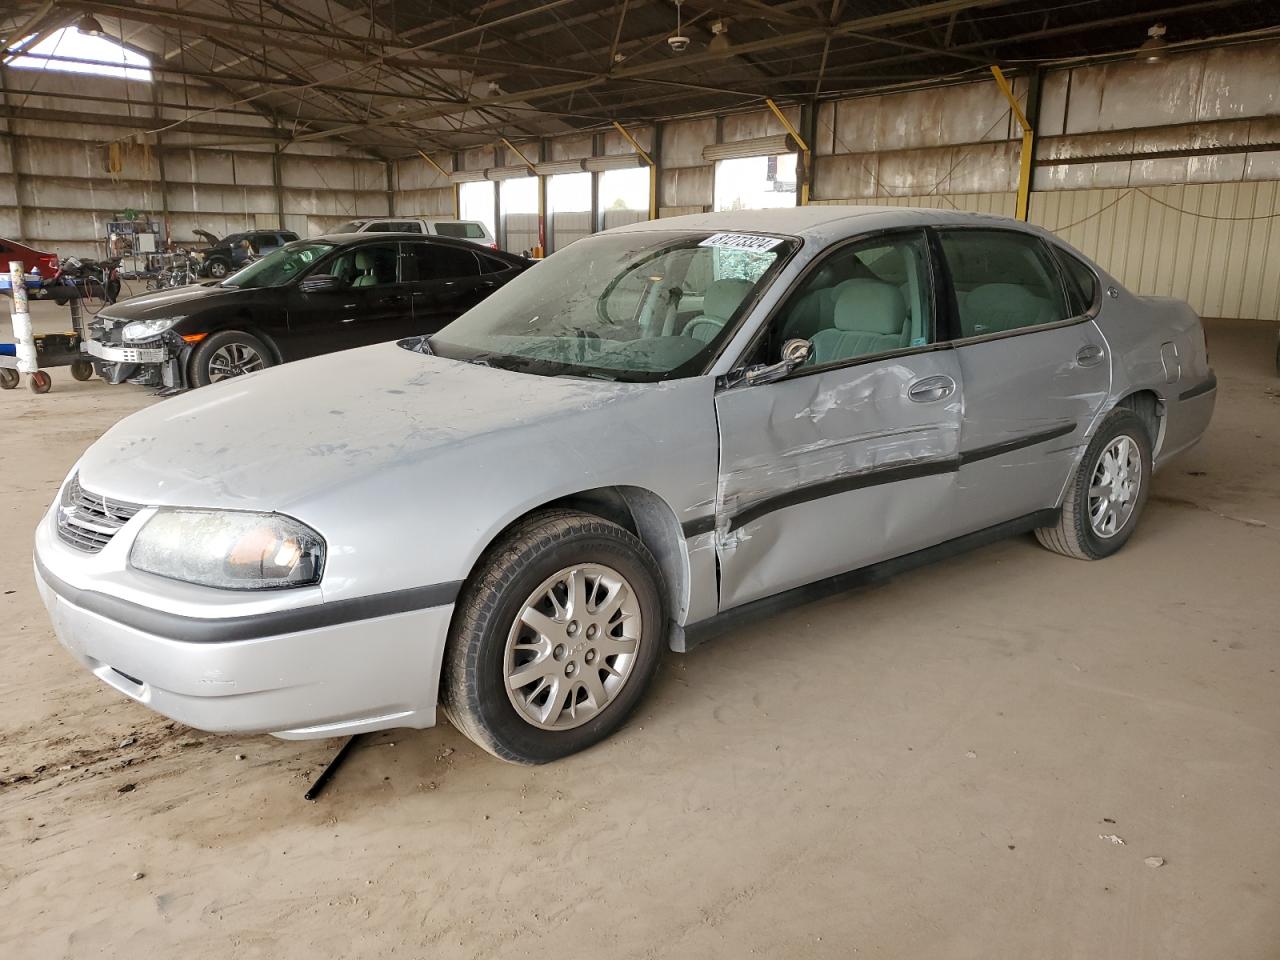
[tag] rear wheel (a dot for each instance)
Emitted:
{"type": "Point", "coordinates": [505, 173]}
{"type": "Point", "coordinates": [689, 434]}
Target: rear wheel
{"type": "Point", "coordinates": [82, 370]}
{"type": "Point", "coordinates": [1107, 492]}
{"type": "Point", "coordinates": [226, 354]}
{"type": "Point", "coordinates": [554, 639]}
{"type": "Point", "coordinates": [8, 378]}
{"type": "Point", "coordinates": [39, 382]}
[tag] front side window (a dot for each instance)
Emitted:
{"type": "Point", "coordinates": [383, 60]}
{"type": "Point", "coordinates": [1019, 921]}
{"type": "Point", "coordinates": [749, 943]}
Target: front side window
{"type": "Point", "coordinates": [866, 298]}
{"type": "Point", "coordinates": [279, 267]}
{"type": "Point", "coordinates": [372, 265]}
{"type": "Point", "coordinates": [1003, 281]}
{"type": "Point", "coordinates": [639, 306]}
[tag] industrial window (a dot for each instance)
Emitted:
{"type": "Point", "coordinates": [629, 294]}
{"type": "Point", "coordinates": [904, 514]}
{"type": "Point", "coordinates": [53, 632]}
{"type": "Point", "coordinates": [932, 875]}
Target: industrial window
{"type": "Point", "coordinates": [476, 200]}
{"type": "Point", "coordinates": [70, 51]}
{"type": "Point", "coordinates": [1003, 281]}
{"type": "Point", "coordinates": [756, 183]}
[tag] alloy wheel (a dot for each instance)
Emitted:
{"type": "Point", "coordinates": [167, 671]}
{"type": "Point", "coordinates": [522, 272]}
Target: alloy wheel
{"type": "Point", "coordinates": [232, 360]}
{"type": "Point", "coordinates": [1114, 486]}
{"type": "Point", "coordinates": [572, 647]}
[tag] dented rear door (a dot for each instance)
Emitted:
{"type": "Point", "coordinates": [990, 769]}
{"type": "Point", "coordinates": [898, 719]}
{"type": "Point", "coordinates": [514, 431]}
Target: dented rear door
{"type": "Point", "coordinates": [834, 469]}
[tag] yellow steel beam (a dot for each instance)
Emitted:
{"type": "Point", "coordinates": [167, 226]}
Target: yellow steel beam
{"type": "Point", "coordinates": [519, 153]}
{"type": "Point", "coordinates": [439, 169]}
{"type": "Point", "coordinates": [1028, 143]}
{"type": "Point", "coordinates": [653, 169]}
{"type": "Point", "coordinates": [806, 154]}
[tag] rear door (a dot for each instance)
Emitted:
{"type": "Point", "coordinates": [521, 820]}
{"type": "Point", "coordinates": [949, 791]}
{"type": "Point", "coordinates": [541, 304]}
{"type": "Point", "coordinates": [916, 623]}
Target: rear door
{"type": "Point", "coordinates": [1036, 372]}
{"type": "Point", "coordinates": [852, 458]}
{"type": "Point", "coordinates": [445, 281]}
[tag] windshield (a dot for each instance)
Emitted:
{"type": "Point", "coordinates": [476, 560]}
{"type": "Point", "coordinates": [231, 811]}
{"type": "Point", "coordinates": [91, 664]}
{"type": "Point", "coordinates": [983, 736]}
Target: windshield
{"type": "Point", "coordinates": [279, 267]}
{"type": "Point", "coordinates": [627, 306]}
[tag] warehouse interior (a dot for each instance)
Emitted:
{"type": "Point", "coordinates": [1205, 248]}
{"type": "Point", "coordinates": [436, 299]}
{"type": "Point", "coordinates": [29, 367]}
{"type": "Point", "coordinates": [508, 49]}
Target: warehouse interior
{"type": "Point", "coordinates": [1007, 754]}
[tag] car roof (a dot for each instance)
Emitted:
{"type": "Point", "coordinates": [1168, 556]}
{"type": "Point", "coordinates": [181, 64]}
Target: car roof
{"type": "Point", "coordinates": [822, 220]}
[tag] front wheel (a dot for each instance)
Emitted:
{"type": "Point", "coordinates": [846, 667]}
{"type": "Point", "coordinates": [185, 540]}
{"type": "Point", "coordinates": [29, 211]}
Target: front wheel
{"type": "Point", "coordinates": [218, 268]}
{"type": "Point", "coordinates": [1107, 492]}
{"type": "Point", "coordinates": [81, 370]}
{"type": "Point", "coordinates": [8, 378]}
{"type": "Point", "coordinates": [554, 639]}
{"type": "Point", "coordinates": [39, 382]}
{"type": "Point", "coordinates": [226, 354]}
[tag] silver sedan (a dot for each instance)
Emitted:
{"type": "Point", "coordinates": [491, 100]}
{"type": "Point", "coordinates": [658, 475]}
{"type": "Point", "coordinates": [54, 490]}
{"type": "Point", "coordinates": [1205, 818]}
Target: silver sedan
{"type": "Point", "coordinates": [658, 432]}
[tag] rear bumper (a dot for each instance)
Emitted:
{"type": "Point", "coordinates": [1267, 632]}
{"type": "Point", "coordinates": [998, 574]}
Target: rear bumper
{"type": "Point", "coordinates": [1187, 416]}
{"type": "Point", "coordinates": [328, 681]}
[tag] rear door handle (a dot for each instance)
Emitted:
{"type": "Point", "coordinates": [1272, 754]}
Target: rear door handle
{"type": "Point", "coordinates": [931, 389]}
{"type": "Point", "coordinates": [1089, 356]}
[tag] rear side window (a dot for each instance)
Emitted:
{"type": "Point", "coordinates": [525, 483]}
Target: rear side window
{"type": "Point", "coordinates": [395, 226]}
{"type": "Point", "coordinates": [426, 261]}
{"type": "Point", "coordinates": [493, 264]}
{"type": "Point", "coordinates": [1082, 282]}
{"type": "Point", "coordinates": [463, 230]}
{"type": "Point", "coordinates": [1003, 281]}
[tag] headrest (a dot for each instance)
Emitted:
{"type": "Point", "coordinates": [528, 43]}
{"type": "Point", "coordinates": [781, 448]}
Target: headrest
{"type": "Point", "coordinates": [870, 306]}
{"type": "Point", "coordinates": [723, 297]}
{"type": "Point", "coordinates": [364, 261]}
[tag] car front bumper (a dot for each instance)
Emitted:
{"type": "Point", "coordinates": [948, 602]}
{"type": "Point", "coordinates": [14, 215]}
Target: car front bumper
{"type": "Point", "coordinates": [114, 354]}
{"type": "Point", "coordinates": [326, 680]}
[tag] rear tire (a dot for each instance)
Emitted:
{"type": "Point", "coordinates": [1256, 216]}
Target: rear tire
{"type": "Point", "coordinates": [533, 694]}
{"type": "Point", "coordinates": [227, 354]}
{"type": "Point", "coordinates": [82, 370]}
{"type": "Point", "coordinates": [1107, 491]}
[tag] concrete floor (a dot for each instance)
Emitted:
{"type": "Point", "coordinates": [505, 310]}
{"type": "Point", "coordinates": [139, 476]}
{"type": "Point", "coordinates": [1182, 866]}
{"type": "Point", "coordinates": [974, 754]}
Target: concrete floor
{"type": "Point", "coordinates": [919, 770]}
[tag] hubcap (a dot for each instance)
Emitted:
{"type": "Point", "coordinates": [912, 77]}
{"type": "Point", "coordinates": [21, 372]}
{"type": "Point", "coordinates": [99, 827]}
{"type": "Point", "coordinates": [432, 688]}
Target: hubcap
{"type": "Point", "coordinates": [1113, 489]}
{"type": "Point", "coordinates": [232, 360]}
{"type": "Point", "coordinates": [573, 646]}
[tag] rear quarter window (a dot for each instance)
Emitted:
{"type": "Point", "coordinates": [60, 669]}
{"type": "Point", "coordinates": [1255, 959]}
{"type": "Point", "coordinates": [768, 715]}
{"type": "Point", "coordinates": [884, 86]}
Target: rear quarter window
{"type": "Point", "coordinates": [463, 231]}
{"type": "Point", "coordinates": [1082, 282]}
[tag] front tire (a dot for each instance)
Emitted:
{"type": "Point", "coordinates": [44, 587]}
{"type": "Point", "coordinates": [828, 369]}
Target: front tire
{"type": "Point", "coordinates": [1107, 491]}
{"type": "Point", "coordinates": [227, 354]}
{"type": "Point", "coordinates": [554, 639]}
{"type": "Point", "coordinates": [218, 268]}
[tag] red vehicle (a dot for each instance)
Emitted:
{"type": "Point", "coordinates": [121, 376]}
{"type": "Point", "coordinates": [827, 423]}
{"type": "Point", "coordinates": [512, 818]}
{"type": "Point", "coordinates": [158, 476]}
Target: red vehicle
{"type": "Point", "coordinates": [32, 259]}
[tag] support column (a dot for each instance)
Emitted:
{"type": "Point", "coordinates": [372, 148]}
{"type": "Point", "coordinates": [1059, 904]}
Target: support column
{"type": "Point", "coordinates": [11, 140]}
{"type": "Point", "coordinates": [277, 183]}
{"type": "Point", "coordinates": [1027, 123]}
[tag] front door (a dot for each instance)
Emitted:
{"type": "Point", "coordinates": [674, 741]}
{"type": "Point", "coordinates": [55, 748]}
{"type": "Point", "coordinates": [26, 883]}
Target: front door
{"type": "Point", "coordinates": [851, 458]}
{"type": "Point", "coordinates": [371, 304]}
{"type": "Point", "coordinates": [1035, 373]}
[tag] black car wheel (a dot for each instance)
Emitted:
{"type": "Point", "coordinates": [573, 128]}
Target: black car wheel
{"type": "Point", "coordinates": [218, 268]}
{"type": "Point", "coordinates": [226, 354]}
{"type": "Point", "coordinates": [82, 370]}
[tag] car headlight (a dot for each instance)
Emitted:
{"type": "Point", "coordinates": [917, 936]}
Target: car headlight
{"type": "Point", "coordinates": [229, 549]}
{"type": "Point", "coordinates": [146, 329]}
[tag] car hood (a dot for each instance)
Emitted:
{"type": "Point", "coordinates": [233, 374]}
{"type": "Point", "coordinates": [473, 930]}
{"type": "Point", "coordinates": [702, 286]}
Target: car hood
{"type": "Point", "coordinates": [180, 301]}
{"type": "Point", "coordinates": [274, 439]}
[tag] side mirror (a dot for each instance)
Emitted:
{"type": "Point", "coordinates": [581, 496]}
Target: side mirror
{"type": "Point", "coordinates": [320, 283]}
{"type": "Point", "coordinates": [794, 353]}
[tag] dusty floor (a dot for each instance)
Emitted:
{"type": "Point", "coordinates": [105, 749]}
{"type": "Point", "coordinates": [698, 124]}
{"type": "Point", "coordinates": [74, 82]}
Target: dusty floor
{"type": "Point", "coordinates": [919, 770]}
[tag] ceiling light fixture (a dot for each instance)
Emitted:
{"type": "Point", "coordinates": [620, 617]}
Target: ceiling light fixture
{"type": "Point", "coordinates": [678, 42]}
{"type": "Point", "coordinates": [89, 24]}
{"type": "Point", "coordinates": [720, 43]}
{"type": "Point", "coordinates": [1154, 47]}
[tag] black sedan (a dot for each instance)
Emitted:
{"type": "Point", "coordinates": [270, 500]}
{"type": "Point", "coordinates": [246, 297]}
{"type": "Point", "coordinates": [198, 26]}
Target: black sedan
{"type": "Point", "coordinates": [307, 298]}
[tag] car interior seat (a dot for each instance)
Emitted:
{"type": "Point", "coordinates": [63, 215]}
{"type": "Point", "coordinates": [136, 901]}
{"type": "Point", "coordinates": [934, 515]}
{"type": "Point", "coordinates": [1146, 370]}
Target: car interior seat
{"type": "Point", "coordinates": [870, 316]}
{"type": "Point", "coordinates": [997, 307]}
{"type": "Point", "coordinates": [365, 276]}
{"type": "Point", "coordinates": [718, 305]}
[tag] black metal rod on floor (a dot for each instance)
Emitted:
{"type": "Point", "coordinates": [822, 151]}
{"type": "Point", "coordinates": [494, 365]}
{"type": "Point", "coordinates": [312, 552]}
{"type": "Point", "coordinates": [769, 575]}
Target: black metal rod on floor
{"type": "Point", "coordinates": [327, 773]}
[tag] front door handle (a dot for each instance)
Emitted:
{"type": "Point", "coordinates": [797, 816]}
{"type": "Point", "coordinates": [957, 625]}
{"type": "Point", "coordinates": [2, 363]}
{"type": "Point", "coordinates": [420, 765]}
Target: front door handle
{"type": "Point", "coordinates": [931, 389]}
{"type": "Point", "coordinates": [1089, 356]}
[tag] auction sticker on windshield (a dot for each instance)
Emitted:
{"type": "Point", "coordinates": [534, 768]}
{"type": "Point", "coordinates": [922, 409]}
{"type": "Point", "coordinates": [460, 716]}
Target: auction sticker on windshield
{"type": "Point", "coordinates": [741, 241]}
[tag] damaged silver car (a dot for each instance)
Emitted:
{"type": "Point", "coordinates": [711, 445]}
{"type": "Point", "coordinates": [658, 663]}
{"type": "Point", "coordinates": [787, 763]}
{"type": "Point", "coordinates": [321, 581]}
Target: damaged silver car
{"type": "Point", "coordinates": [661, 431]}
